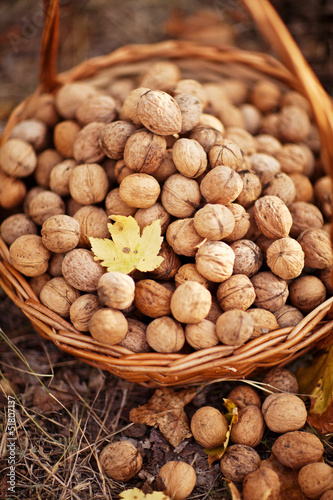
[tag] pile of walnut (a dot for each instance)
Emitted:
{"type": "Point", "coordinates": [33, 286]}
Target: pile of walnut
{"type": "Point", "coordinates": [297, 454]}
{"type": "Point", "coordinates": [232, 173]}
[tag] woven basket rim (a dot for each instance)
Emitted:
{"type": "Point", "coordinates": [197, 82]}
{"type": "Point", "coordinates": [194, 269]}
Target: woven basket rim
{"type": "Point", "coordinates": [155, 369]}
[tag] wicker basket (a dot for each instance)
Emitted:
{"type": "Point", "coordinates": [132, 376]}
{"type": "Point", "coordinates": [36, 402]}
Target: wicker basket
{"type": "Point", "coordinates": [213, 62]}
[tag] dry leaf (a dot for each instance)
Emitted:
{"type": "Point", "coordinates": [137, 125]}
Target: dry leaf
{"type": "Point", "coordinates": [166, 410]}
{"type": "Point", "coordinates": [289, 488]}
{"type": "Point", "coordinates": [231, 416]}
{"type": "Point", "coordinates": [235, 494]}
{"type": "Point", "coordinates": [136, 494]}
{"type": "Point", "coordinates": [317, 380]}
{"type": "Point", "coordinates": [128, 250]}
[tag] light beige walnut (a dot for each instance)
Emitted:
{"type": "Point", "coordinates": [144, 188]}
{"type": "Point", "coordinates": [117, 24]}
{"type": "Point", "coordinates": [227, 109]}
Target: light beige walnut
{"type": "Point", "coordinates": [206, 135]}
{"type": "Point", "coordinates": [215, 261]}
{"type": "Point", "coordinates": [191, 302]}
{"type": "Point", "coordinates": [17, 158]}
{"type": "Point", "coordinates": [46, 160]}
{"type": "Point", "coordinates": [80, 269]}
{"type": "Point", "coordinates": [59, 177]}
{"type": "Point", "coordinates": [214, 221]}
{"type": "Point", "coordinates": [252, 118]}
{"type": "Point", "coordinates": [116, 290]}
{"type": "Point", "coordinates": [162, 75]}
{"type": "Point", "coordinates": [178, 479]}
{"type": "Point", "coordinates": [99, 108]}
{"type": "Point", "coordinates": [135, 339]}
{"type": "Point", "coordinates": [248, 257]}
{"type": "Point", "coordinates": [108, 326]}
{"type": "Point", "coordinates": [139, 190]}
{"type": "Point", "coordinates": [234, 327]}
{"type": "Point", "coordinates": [264, 321]}
{"type": "Point", "coordinates": [86, 147]}
{"type": "Point", "coordinates": [209, 427]}
{"type": "Point", "coordinates": [249, 427]}
{"type": "Point", "coordinates": [237, 292]}
{"type": "Point", "coordinates": [271, 291]}
{"type": "Point", "coordinates": [60, 233]}
{"type": "Point", "coordinates": [114, 205]}
{"type": "Point", "coordinates": [316, 245]}
{"type": "Point", "coordinates": [64, 135]}
{"type": "Point", "coordinates": [282, 186]}
{"type": "Point", "coordinates": [58, 296]}
{"type": "Point", "coordinates": [242, 222]}
{"type": "Point", "coordinates": [201, 335]}
{"type": "Point", "coordinates": [93, 222]}
{"type": "Point", "coordinates": [305, 215]}
{"type": "Point", "coordinates": [265, 95]}
{"type": "Point", "coordinates": [264, 165]}
{"type": "Point", "coordinates": [82, 309]}
{"type": "Point", "coordinates": [44, 205]}
{"type": "Point", "coordinates": [272, 217]}
{"type": "Point", "coordinates": [292, 158]}
{"type": "Point", "coordinates": [295, 449]}
{"type": "Point", "coordinates": [165, 335]}
{"type": "Point", "coordinates": [189, 157]}
{"type": "Point", "coordinates": [284, 412]}
{"type": "Point", "coordinates": [70, 96]}
{"type": "Point", "coordinates": [144, 151]}
{"type": "Point", "coordinates": [152, 298]}
{"type": "Point", "coordinates": [120, 460]}
{"type": "Point", "coordinates": [88, 183]}
{"type": "Point", "coordinates": [16, 225]}
{"type": "Point", "coordinates": [244, 140]}
{"type": "Point", "coordinates": [183, 238]}
{"type": "Point", "coordinates": [288, 316]}
{"type": "Point", "coordinates": [159, 112]}
{"type": "Point", "coordinates": [29, 256]}
{"type": "Point", "coordinates": [113, 138]}
{"type": "Point", "coordinates": [316, 479]}
{"type": "Point", "coordinates": [129, 109]}
{"type": "Point", "coordinates": [226, 153]}
{"type": "Point", "coordinates": [221, 185]}
{"type": "Point", "coordinates": [191, 109]}
{"type": "Point", "coordinates": [189, 272]}
{"type": "Point", "coordinates": [146, 216]}
{"type": "Point", "coordinates": [268, 144]}
{"type": "Point", "coordinates": [285, 258]}
{"type": "Point", "coordinates": [251, 188]}
{"type": "Point", "coordinates": [180, 195]}
{"type": "Point", "coordinates": [294, 123]}
{"type": "Point", "coordinates": [193, 87]}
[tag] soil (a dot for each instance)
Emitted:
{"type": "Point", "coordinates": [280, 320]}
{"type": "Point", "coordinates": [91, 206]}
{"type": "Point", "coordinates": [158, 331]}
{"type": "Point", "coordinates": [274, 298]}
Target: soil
{"type": "Point", "coordinates": [67, 411]}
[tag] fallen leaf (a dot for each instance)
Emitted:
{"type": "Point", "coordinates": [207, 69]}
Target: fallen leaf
{"type": "Point", "coordinates": [289, 487]}
{"type": "Point", "coordinates": [231, 416]}
{"type": "Point", "coordinates": [137, 494]}
{"type": "Point", "coordinates": [317, 380]}
{"type": "Point", "coordinates": [235, 494]}
{"type": "Point", "coordinates": [128, 250]}
{"type": "Point", "coordinates": [165, 410]}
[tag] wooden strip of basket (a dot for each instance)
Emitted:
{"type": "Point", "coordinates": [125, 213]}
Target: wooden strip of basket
{"type": "Point", "coordinates": [220, 362]}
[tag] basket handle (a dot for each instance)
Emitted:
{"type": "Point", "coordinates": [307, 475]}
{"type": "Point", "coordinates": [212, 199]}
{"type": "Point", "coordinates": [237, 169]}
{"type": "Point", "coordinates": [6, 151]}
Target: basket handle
{"type": "Point", "coordinates": [276, 33]}
{"type": "Point", "coordinates": [49, 46]}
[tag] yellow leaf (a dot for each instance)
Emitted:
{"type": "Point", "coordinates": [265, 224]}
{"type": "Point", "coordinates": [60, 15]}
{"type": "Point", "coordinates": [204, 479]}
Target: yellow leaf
{"type": "Point", "coordinates": [231, 416]}
{"type": "Point", "coordinates": [136, 494]}
{"type": "Point", "coordinates": [133, 494]}
{"type": "Point", "coordinates": [128, 250]}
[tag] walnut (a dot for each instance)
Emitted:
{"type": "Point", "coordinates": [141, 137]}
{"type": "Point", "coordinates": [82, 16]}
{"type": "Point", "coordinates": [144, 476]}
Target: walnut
{"type": "Point", "coordinates": [315, 480]}
{"type": "Point", "coordinates": [292, 158]}
{"type": "Point", "coordinates": [82, 309]}
{"type": "Point", "coordinates": [323, 193]}
{"type": "Point", "coordinates": [284, 412]}
{"type": "Point", "coordinates": [271, 291]}
{"type": "Point", "coordinates": [214, 222]}
{"type": "Point", "coordinates": [264, 165]}
{"type": "Point", "coordinates": [316, 245]}
{"type": "Point", "coordinates": [88, 183]}
{"type": "Point", "coordinates": [238, 461]}
{"type": "Point", "coordinates": [265, 95]}
{"type": "Point", "coordinates": [135, 339]}
{"type": "Point", "coordinates": [305, 216]}
{"type": "Point", "coordinates": [267, 144]}
{"type": "Point", "coordinates": [236, 90]}
{"type": "Point", "coordinates": [303, 185]}
{"type": "Point", "coordinates": [242, 222]}
{"type": "Point", "coordinates": [306, 293]}
{"type": "Point", "coordinates": [60, 233]}
{"type": "Point", "coordinates": [46, 160]}
{"type": "Point", "coordinates": [12, 191]}
{"type": "Point", "coordinates": [162, 75]}
{"type": "Point", "coordinates": [191, 109]}
{"type": "Point", "coordinates": [42, 108]}
{"type": "Point", "coordinates": [80, 269]}
{"type": "Point", "coordinates": [206, 136]}
{"type": "Point", "coordinates": [129, 109]}
{"type": "Point", "coordinates": [29, 256]}
{"type": "Point", "coordinates": [16, 225]}
{"type": "Point", "coordinates": [37, 282]}
{"type": "Point", "coordinates": [108, 326]}
{"type": "Point", "coordinates": [234, 327]}
{"type": "Point", "coordinates": [215, 261]}
{"type": "Point", "coordinates": [114, 205]}
{"type": "Point", "coordinates": [166, 169]}
{"type": "Point", "coordinates": [33, 131]}
{"type": "Point", "coordinates": [248, 257]}
{"type": "Point", "coordinates": [178, 479]}
{"type": "Point", "coordinates": [221, 185]}
{"type": "Point", "coordinates": [270, 124]}
{"type": "Point", "coordinates": [201, 335]}
{"type": "Point", "coordinates": [170, 265]}
{"type": "Point", "coordinates": [208, 120]}
{"type": "Point", "coordinates": [116, 290]}
{"type": "Point", "coordinates": [189, 272]}
{"type": "Point", "coordinates": [190, 302]}
{"type": "Point", "coordinates": [144, 151]}
{"type": "Point", "coordinates": [183, 238]}
{"type": "Point", "coordinates": [249, 427]}
{"type": "Point", "coordinates": [209, 427]}
{"type": "Point", "coordinates": [55, 264]}
{"type": "Point", "coordinates": [251, 188]}
{"type": "Point", "coordinates": [294, 123]}
{"type": "Point", "coordinates": [165, 335]}
{"type": "Point", "coordinates": [159, 112]}
{"type": "Point", "coordinates": [44, 205]}
{"type": "Point", "coordinates": [285, 258]}
{"type": "Point", "coordinates": [226, 153]}
{"type": "Point", "coordinates": [93, 223]}
{"type": "Point", "coordinates": [214, 312]}
{"type": "Point", "coordinates": [180, 195]}
{"type": "Point", "coordinates": [272, 217]}
{"type": "Point", "coordinates": [282, 186]}
{"type": "Point", "coordinates": [86, 147]}
{"type": "Point", "coordinates": [146, 216]}
{"type": "Point", "coordinates": [193, 87]}
{"type": "Point", "coordinates": [230, 115]}
{"type": "Point", "coordinates": [70, 96]}
{"type": "Point", "coordinates": [64, 136]}
{"type": "Point", "coordinates": [281, 379]}
{"type": "Point", "coordinates": [237, 292]}
{"type": "Point", "coordinates": [244, 395]}
{"type": "Point", "coordinates": [59, 177]}
{"type": "Point", "coordinates": [252, 118]}
{"type": "Point", "coordinates": [152, 298]}
{"type": "Point", "coordinates": [189, 157]}
{"type": "Point", "coordinates": [120, 460]}
{"type": "Point", "coordinates": [17, 158]}
{"type": "Point", "coordinates": [244, 140]}
{"type": "Point", "coordinates": [113, 138]}
{"type": "Point", "coordinates": [264, 322]}
{"type": "Point", "coordinates": [99, 108]}
{"type": "Point", "coordinates": [139, 190]}
{"type": "Point", "coordinates": [297, 448]}
{"type": "Point", "coordinates": [288, 316]}
{"type": "Point", "coordinates": [58, 296]}
{"type": "Point", "coordinates": [262, 483]}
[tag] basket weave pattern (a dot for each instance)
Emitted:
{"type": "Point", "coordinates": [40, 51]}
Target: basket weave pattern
{"type": "Point", "coordinates": [218, 362]}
